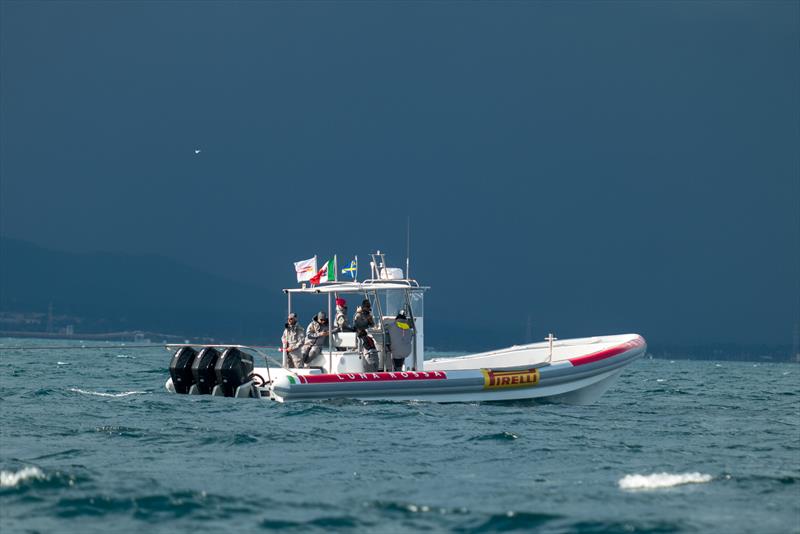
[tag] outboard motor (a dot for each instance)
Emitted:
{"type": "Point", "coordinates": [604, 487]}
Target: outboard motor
{"type": "Point", "coordinates": [203, 370]}
{"type": "Point", "coordinates": [233, 369]}
{"type": "Point", "coordinates": [180, 369]}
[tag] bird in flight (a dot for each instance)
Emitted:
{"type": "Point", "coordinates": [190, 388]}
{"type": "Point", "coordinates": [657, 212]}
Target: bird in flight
{"type": "Point", "coordinates": [196, 150]}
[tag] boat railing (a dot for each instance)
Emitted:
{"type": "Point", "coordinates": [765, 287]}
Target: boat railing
{"type": "Point", "coordinates": [401, 283]}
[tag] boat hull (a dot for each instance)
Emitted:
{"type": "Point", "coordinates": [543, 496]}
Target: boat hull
{"type": "Point", "coordinates": [579, 379]}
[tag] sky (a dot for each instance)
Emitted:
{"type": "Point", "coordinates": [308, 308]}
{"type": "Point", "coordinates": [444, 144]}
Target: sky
{"type": "Point", "coordinates": [601, 167]}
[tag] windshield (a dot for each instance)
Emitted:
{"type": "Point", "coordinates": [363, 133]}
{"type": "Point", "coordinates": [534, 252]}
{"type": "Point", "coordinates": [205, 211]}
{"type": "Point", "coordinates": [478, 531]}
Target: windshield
{"type": "Point", "coordinates": [396, 301]}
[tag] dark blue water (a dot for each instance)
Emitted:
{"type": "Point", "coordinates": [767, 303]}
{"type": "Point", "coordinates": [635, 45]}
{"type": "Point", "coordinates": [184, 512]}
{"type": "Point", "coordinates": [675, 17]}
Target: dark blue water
{"type": "Point", "coordinates": [91, 442]}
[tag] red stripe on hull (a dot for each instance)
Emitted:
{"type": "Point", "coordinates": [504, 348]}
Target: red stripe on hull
{"type": "Point", "coordinates": [608, 353]}
{"type": "Point", "coordinates": [373, 377]}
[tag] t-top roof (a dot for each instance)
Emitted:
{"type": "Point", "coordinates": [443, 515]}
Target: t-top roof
{"type": "Point", "coordinates": [360, 287]}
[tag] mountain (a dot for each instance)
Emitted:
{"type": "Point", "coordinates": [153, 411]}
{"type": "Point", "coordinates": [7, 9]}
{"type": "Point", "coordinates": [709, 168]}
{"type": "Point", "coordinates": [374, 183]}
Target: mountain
{"type": "Point", "coordinates": [111, 291]}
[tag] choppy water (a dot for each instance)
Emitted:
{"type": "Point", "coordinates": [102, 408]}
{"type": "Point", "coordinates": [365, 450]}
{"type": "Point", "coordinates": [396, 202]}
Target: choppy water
{"type": "Point", "coordinates": [91, 442]}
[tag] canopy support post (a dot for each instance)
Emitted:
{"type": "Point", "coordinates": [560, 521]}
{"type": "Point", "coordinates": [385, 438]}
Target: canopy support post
{"type": "Point", "coordinates": [285, 360]}
{"type": "Point", "coordinates": [330, 337]}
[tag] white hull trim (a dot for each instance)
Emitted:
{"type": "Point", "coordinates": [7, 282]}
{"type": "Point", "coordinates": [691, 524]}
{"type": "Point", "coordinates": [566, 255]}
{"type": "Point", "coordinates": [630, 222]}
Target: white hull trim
{"type": "Point", "coordinates": [580, 379]}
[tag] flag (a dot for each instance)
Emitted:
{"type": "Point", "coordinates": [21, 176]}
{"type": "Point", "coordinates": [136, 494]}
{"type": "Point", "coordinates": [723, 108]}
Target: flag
{"type": "Point", "coordinates": [326, 274]}
{"type": "Point", "coordinates": [305, 269]}
{"type": "Point", "coordinates": [352, 269]}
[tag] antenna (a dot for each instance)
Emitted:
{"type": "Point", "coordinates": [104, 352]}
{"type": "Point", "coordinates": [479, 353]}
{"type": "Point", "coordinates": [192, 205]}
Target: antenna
{"type": "Point", "coordinates": [408, 247]}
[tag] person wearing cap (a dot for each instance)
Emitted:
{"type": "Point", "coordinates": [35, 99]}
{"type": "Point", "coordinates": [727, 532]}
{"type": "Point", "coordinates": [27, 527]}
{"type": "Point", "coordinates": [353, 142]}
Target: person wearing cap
{"type": "Point", "coordinates": [292, 342]}
{"type": "Point", "coordinates": [316, 333]}
{"type": "Point", "coordinates": [369, 352]}
{"type": "Point", "coordinates": [363, 317]}
{"type": "Point", "coordinates": [399, 339]}
{"type": "Point", "coordinates": [340, 323]}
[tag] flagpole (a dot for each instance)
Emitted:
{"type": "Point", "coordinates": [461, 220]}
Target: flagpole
{"type": "Point", "coordinates": [335, 269]}
{"type": "Point", "coordinates": [356, 275]}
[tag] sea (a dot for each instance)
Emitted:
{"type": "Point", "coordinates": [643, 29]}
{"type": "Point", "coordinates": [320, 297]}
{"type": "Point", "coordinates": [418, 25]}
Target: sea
{"type": "Point", "coordinates": [90, 441]}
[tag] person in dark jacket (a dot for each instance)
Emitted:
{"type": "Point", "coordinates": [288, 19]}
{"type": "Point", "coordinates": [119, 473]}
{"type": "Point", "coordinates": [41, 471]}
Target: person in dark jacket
{"type": "Point", "coordinates": [369, 352]}
{"type": "Point", "coordinates": [316, 334]}
{"type": "Point", "coordinates": [363, 317]}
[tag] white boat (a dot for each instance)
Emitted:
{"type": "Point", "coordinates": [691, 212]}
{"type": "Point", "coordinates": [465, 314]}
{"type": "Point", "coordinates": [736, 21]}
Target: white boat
{"type": "Point", "coordinates": [574, 371]}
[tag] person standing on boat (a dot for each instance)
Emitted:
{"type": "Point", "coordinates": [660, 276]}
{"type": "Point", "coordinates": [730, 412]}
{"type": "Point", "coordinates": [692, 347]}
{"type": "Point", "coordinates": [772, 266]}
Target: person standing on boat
{"type": "Point", "coordinates": [316, 334]}
{"type": "Point", "coordinates": [341, 323]}
{"type": "Point", "coordinates": [399, 339]}
{"type": "Point", "coordinates": [363, 317]}
{"type": "Point", "coordinates": [292, 342]}
{"type": "Point", "coordinates": [369, 352]}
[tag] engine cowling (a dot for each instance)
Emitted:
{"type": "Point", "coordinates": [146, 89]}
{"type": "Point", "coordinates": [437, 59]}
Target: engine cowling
{"type": "Point", "coordinates": [180, 369]}
{"type": "Point", "coordinates": [233, 369]}
{"type": "Point", "coordinates": [203, 370]}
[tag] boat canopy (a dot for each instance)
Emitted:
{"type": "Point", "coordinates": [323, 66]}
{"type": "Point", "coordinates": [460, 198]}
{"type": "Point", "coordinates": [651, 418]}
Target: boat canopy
{"type": "Point", "coordinates": [388, 297]}
{"type": "Point", "coordinates": [359, 287]}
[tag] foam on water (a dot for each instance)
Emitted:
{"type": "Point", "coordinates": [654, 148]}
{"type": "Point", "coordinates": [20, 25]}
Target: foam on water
{"type": "Point", "coordinates": [102, 394]}
{"type": "Point", "coordinates": [108, 456]}
{"type": "Point", "coordinates": [501, 436]}
{"type": "Point", "coordinates": [11, 479]}
{"type": "Point", "coordinates": [661, 480]}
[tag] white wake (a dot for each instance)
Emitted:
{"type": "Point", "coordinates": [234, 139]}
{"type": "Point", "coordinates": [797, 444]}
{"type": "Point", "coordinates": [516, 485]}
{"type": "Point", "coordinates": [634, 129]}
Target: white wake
{"type": "Point", "coordinates": [10, 479]}
{"type": "Point", "coordinates": [101, 394]}
{"type": "Point", "coordinates": [661, 480]}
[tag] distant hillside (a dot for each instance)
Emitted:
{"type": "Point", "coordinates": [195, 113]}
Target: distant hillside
{"type": "Point", "coordinates": [109, 291]}
{"type": "Point", "coordinates": [112, 292]}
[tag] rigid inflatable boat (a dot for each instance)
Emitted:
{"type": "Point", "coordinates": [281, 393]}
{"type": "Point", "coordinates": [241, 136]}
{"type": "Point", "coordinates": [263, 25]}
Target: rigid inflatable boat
{"type": "Point", "coordinates": [574, 371]}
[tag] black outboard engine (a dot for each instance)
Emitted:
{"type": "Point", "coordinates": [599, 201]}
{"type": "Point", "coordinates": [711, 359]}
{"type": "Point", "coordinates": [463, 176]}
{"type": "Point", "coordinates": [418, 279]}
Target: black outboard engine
{"type": "Point", "coordinates": [180, 369]}
{"type": "Point", "coordinates": [233, 369]}
{"type": "Point", "coordinates": [203, 370]}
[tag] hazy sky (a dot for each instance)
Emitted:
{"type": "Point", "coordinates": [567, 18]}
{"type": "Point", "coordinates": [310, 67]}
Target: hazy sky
{"type": "Point", "coordinates": [601, 166]}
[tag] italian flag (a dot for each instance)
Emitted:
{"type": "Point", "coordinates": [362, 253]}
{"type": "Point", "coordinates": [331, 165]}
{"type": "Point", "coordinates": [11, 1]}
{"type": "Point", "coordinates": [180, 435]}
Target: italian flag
{"type": "Point", "coordinates": [326, 274]}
